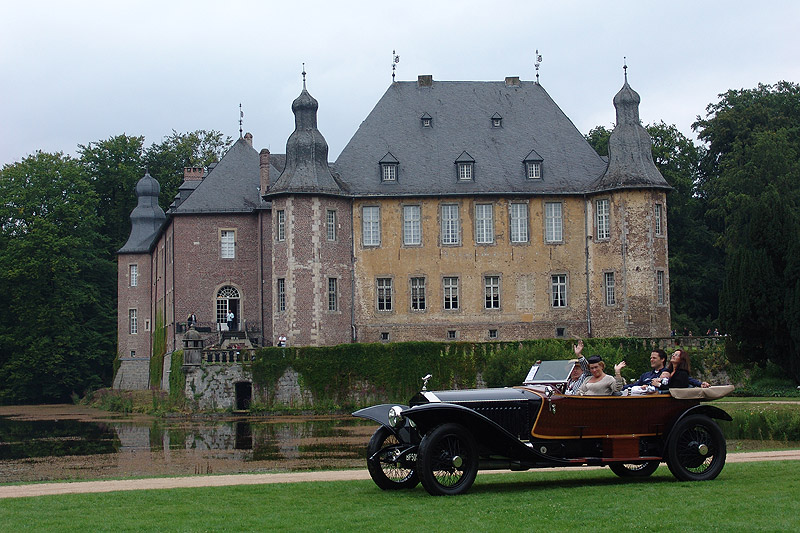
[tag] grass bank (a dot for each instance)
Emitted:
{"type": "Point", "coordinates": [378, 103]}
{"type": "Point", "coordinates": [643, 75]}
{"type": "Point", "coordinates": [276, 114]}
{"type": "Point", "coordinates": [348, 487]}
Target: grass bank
{"type": "Point", "coordinates": [746, 496]}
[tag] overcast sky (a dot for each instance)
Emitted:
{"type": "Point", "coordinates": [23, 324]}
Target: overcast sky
{"type": "Point", "coordinates": [74, 72]}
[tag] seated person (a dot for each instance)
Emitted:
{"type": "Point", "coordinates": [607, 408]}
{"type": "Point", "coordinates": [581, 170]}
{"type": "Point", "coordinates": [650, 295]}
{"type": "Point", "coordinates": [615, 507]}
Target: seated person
{"type": "Point", "coordinates": [658, 363]}
{"type": "Point", "coordinates": [580, 372]}
{"type": "Point", "coordinates": [676, 375]}
{"type": "Point", "coordinates": [600, 383]}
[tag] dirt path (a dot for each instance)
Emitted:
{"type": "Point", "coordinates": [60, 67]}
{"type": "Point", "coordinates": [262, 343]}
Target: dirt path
{"type": "Point", "coordinates": [46, 489]}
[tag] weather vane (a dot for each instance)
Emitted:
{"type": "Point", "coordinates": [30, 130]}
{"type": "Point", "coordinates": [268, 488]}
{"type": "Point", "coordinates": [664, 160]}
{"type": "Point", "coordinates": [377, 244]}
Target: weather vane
{"type": "Point", "coordinates": [395, 61]}
{"type": "Point", "coordinates": [304, 76]}
{"type": "Point", "coordinates": [625, 67]}
{"type": "Point", "coordinates": [536, 64]}
{"type": "Point", "coordinates": [241, 116]}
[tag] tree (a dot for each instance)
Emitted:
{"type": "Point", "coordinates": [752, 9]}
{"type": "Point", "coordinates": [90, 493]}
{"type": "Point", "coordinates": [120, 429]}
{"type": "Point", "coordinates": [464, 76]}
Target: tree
{"type": "Point", "coordinates": [166, 161]}
{"type": "Point", "coordinates": [751, 180]}
{"type": "Point", "coordinates": [598, 139]}
{"type": "Point", "coordinates": [55, 337]}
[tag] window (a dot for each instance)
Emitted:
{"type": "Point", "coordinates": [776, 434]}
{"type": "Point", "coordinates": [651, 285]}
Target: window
{"type": "Point", "coordinates": [660, 287]}
{"type": "Point", "coordinates": [133, 353]}
{"type": "Point", "coordinates": [492, 333]}
{"type": "Point", "coordinates": [452, 334]}
{"type": "Point", "coordinates": [558, 290]}
{"type": "Point", "coordinates": [519, 222]}
{"type": "Point", "coordinates": [465, 171]}
{"type": "Point", "coordinates": [384, 335]}
{"type": "Point", "coordinates": [133, 322]}
{"type": "Point", "coordinates": [412, 235]}
{"type": "Point", "coordinates": [484, 223]}
{"type": "Point", "coordinates": [147, 325]}
{"type": "Point", "coordinates": [227, 244]}
{"type": "Point", "coordinates": [330, 224]}
{"type": "Point", "coordinates": [608, 284]}
{"type": "Point", "coordinates": [552, 222]}
{"type": "Point", "coordinates": [333, 303]}
{"type": "Point", "coordinates": [389, 172]}
{"type": "Point", "coordinates": [418, 294]}
{"type": "Point", "coordinates": [134, 275]}
{"type": "Point", "coordinates": [534, 169]}
{"type": "Point", "coordinates": [281, 294]}
{"type": "Point", "coordinates": [450, 286]}
{"type": "Point", "coordinates": [657, 218]}
{"type": "Point", "coordinates": [281, 225]}
{"type": "Point", "coordinates": [497, 121]}
{"type": "Point", "coordinates": [227, 301]}
{"type": "Point", "coordinates": [384, 294]}
{"type": "Point", "coordinates": [427, 120]}
{"type": "Point", "coordinates": [371, 225]}
{"type": "Point", "coordinates": [602, 215]}
{"type": "Point", "coordinates": [450, 224]}
{"type": "Point", "coordinates": [492, 291]}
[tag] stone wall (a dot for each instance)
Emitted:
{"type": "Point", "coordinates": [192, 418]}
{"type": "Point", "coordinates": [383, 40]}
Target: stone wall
{"type": "Point", "coordinates": [133, 374]}
{"type": "Point", "coordinates": [214, 386]}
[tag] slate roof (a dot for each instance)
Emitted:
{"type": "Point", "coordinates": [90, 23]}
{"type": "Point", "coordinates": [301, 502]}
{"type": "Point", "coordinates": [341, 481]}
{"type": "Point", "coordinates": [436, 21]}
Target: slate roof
{"type": "Point", "coordinates": [232, 186]}
{"type": "Point", "coordinates": [147, 217]}
{"type": "Point", "coordinates": [461, 122]}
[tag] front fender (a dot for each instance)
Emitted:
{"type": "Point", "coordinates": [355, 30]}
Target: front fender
{"type": "Point", "coordinates": [378, 413]}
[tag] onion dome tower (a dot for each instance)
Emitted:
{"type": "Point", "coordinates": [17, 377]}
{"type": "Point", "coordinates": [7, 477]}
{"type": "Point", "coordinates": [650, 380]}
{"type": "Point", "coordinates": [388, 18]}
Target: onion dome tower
{"type": "Point", "coordinates": [146, 218]}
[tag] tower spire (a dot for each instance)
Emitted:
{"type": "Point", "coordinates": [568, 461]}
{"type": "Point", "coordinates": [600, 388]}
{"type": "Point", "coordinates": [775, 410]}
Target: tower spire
{"type": "Point", "coordinates": [304, 76]}
{"type": "Point", "coordinates": [537, 62]}
{"type": "Point", "coordinates": [241, 116]}
{"type": "Point", "coordinates": [395, 61]}
{"type": "Point", "coordinates": [625, 67]}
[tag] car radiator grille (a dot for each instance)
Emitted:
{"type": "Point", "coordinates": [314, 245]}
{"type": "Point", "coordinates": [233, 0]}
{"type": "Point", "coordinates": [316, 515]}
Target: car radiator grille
{"type": "Point", "coordinates": [516, 417]}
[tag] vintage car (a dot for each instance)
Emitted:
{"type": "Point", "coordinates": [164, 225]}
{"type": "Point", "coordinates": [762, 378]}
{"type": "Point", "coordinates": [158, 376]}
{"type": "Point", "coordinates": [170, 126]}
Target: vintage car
{"type": "Point", "coordinates": [442, 438]}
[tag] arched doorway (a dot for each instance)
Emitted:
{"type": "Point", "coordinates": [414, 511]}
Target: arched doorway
{"type": "Point", "coordinates": [228, 301]}
{"type": "Point", "coordinates": [244, 395]}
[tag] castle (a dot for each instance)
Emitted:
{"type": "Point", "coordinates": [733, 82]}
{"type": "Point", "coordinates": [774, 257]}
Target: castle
{"type": "Point", "coordinates": [463, 211]}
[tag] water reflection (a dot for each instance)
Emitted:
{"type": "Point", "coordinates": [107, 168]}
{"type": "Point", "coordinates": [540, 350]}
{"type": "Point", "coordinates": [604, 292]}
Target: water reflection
{"type": "Point", "coordinates": [81, 447]}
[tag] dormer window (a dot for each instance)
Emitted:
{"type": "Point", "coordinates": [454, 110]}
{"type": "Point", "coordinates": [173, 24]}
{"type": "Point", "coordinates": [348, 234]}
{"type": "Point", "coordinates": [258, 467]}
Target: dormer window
{"type": "Point", "coordinates": [389, 164]}
{"type": "Point", "coordinates": [497, 121]}
{"type": "Point", "coordinates": [427, 120]}
{"type": "Point", "coordinates": [466, 167]}
{"type": "Point", "coordinates": [533, 166]}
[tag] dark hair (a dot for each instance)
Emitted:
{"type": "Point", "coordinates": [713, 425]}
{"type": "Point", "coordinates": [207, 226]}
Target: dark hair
{"type": "Point", "coordinates": [684, 362]}
{"type": "Point", "coordinates": [595, 359]}
{"type": "Point", "coordinates": [661, 353]}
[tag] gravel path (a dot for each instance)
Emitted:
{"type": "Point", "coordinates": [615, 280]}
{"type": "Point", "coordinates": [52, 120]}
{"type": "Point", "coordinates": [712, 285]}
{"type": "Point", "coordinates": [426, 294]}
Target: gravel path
{"type": "Point", "coordinates": [46, 489]}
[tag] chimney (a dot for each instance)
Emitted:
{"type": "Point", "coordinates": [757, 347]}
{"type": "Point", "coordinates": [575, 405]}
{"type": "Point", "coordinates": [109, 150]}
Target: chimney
{"type": "Point", "coordinates": [425, 80]}
{"type": "Point", "coordinates": [192, 173]}
{"type": "Point", "coordinates": [249, 138]}
{"type": "Point", "coordinates": [263, 165]}
{"type": "Point", "coordinates": [512, 81]}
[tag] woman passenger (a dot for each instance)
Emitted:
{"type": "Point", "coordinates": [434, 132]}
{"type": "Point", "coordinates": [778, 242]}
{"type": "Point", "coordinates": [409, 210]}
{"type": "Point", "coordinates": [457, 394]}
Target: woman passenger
{"type": "Point", "coordinates": [600, 383]}
{"type": "Point", "coordinates": [676, 376]}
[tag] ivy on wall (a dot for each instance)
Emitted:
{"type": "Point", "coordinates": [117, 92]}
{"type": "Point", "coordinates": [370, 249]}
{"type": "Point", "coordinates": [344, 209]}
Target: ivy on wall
{"type": "Point", "coordinates": [159, 349]}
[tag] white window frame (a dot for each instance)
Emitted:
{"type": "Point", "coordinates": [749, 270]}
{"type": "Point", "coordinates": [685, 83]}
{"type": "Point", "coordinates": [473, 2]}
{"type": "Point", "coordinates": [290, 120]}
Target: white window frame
{"type": "Point", "coordinates": [133, 321]}
{"type": "Point", "coordinates": [371, 225]}
{"type": "Point", "coordinates": [133, 271]}
{"type": "Point", "coordinates": [383, 294]}
{"type": "Point", "coordinates": [533, 170]}
{"type": "Point", "coordinates": [465, 171]}
{"type": "Point", "coordinates": [660, 288]}
{"type": "Point", "coordinates": [491, 287]}
{"type": "Point", "coordinates": [450, 293]}
{"type": "Point", "coordinates": [558, 291]}
{"type": "Point", "coordinates": [227, 243]}
{"type": "Point", "coordinates": [280, 224]}
{"type": "Point", "coordinates": [333, 294]}
{"type": "Point", "coordinates": [554, 222]}
{"type": "Point", "coordinates": [418, 297]}
{"type": "Point", "coordinates": [658, 218]}
{"type": "Point", "coordinates": [451, 224]}
{"type": "Point", "coordinates": [412, 225]}
{"type": "Point", "coordinates": [518, 213]}
{"type": "Point", "coordinates": [330, 224]}
{"type": "Point", "coordinates": [281, 292]}
{"type": "Point", "coordinates": [603, 219]}
{"type": "Point", "coordinates": [484, 223]}
{"type": "Point", "coordinates": [609, 288]}
{"type": "Point", "coordinates": [389, 172]}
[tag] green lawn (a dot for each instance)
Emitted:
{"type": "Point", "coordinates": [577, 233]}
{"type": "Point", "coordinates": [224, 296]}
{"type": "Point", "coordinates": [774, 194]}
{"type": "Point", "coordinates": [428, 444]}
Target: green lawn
{"type": "Point", "coordinates": [762, 496]}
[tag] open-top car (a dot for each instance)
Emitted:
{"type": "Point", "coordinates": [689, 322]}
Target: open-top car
{"type": "Point", "coordinates": [442, 438]}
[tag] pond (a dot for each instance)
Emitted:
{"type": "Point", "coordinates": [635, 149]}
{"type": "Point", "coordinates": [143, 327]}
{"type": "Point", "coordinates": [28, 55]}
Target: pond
{"type": "Point", "coordinates": [65, 442]}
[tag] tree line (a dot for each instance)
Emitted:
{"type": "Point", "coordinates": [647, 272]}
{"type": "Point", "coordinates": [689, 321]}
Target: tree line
{"type": "Point", "coordinates": [733, 226]}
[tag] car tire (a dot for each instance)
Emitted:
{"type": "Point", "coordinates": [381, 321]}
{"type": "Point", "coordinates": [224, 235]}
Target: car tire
{"type": "Point", "coordinates": [696, 449]}
{"type": "Point", "coordinates": [382, 464]}
{"type": "Point", "coordinates": [634, 469]}
{"type": "Point", "coordinates": [448, 460]}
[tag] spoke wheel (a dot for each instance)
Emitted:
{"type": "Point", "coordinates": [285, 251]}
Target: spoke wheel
{"type": "Point", "coordinates": [388, 468]}
{"type": "Point", "coordinates": [696, 449]}
{"type": "Point", "coordinates": [634, 469]}
{"type": "Point", "coordinates": [448, 460]}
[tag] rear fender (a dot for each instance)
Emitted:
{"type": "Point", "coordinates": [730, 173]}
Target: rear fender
{"type": "Point", "coordinates": [702, 409]}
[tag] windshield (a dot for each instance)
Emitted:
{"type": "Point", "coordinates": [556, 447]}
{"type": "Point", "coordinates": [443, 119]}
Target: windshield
{"type": "Point", "coordinates": [549, 372]}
